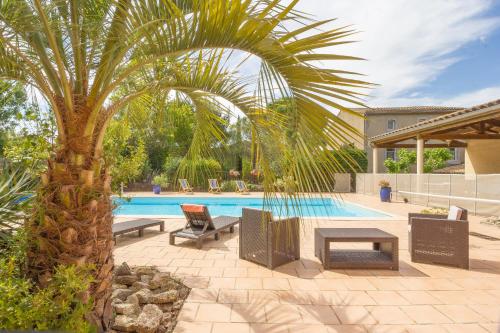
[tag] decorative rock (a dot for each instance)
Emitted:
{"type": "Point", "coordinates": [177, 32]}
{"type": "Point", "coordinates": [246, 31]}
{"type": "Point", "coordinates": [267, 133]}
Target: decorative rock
{"type": "Point", "coordinates": [118, 286]}
{"type": "Point", "coordinates": [143, 295]}
{"type": "Point", "coordinates": [146, 278]}
{"type": "Point", "coordinates": [124, 323]}
{"type": "Point", "coordinates": [149, 319]}
{"type": "Point", "coordinates": [132, 299]}
{"type": "Point", "coordinates": [160, 280]}
{"type": "Point", "coordinates": [126, 279]}
{"type": "Point", "coordinates": [121, 294]}
{"type": "Point", "coordinates": [166, 318]}
{"type": "Point", "coordinates": [127, 309]}
{"type": "Point", "coordinates": [145, 270]}
{"type": "Point", "coordinates": [165, 297]}
{"type": "Point", "coordinates": [139, 285]}
{"type": "Point", "coordinates": [123, 269]}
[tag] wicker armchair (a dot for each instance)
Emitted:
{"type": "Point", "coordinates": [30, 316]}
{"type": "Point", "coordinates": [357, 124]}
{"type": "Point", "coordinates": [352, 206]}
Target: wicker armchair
{"type": "Point", "coordinates": [437, 239]}
{"type": "Point", "coordinates": [266, 241]}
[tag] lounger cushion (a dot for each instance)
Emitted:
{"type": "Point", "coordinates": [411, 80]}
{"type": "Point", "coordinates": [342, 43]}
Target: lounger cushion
{"type": "Point", "coordinates": [455, 213]}
{"type": "Point", "coordinates": [193, 208]}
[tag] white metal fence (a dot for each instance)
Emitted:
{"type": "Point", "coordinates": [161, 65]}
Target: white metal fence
{"type": "Point", "coordinates": [480, 194]}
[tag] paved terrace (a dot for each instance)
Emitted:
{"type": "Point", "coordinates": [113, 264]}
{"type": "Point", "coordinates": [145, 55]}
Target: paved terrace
{"type": "Point", "coordinates": [233, 295]}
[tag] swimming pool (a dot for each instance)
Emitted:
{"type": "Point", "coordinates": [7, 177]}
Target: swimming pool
{"type": "Point", "coordinates": [170, 207]}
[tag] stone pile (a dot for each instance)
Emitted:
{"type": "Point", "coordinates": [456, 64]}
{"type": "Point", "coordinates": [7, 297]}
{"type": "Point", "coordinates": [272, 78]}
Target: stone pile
{"type": "Point", "coordinates": [146, 300]}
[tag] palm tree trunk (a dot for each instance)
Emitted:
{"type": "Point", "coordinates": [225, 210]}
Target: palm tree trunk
{"type": "Point", "coordinates": [72, 223]}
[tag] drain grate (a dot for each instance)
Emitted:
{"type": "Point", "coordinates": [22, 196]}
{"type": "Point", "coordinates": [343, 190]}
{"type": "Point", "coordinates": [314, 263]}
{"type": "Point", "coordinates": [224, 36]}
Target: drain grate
{"type": "Point", "coordinates": [483, 236]}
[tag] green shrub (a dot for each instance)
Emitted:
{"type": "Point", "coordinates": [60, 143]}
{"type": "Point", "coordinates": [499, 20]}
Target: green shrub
{"type": "Point", "coordinates": [228, 186]}
{"type": "Point", "coordinates": [24, 306]}
{"type": "Point", "coordinates": [199, 171]}
{"type": "Point", "coordinates": [162, 180]}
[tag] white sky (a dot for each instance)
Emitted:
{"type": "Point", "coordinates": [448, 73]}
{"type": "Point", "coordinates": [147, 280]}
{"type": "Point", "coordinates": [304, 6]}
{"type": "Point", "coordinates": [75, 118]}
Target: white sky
{"type": "Point", "coordinates": [408, 43]}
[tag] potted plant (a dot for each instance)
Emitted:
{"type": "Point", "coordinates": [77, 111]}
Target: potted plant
{"type": "Point", "coordinates": [385, 191]}
{"type": "Point", "coordinates": [159, 181]}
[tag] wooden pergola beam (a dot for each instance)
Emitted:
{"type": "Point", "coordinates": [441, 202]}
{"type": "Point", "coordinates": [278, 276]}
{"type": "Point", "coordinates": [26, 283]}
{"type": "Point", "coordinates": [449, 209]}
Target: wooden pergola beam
{"type": "Point", "coordinates": [455, 144]}
{"type": "Point", "coordinates": [457, 136]}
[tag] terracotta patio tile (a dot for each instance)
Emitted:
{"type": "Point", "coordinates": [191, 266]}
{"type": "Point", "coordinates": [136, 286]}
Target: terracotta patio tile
{"type": "Point", "coordinates": [354, 315]}
{"type": "Point", "coordinates": [345, 329]}
{"type": "Point", "coordinates": [492, 328]}
{"type": "Point", "coordinates": [214, 313]}
{"type": "Point", "coordinates": [460, 313]}
{"type": "Point", "coordinates": [491, 312]}
{"type": "Point", "coordinates": [330, 284]}
{"type": "Point", "coordinates": [231, 328]}
{"type": "Point", "coordinates": [225, 263]}
{"type": "Point", "coordinates": [358, 284]}
{"type": "Point", "coordinates": [181, 262]}
{"type": "Point", "coordinates": [309, 273]}
{"type": "Point", "coordinates": [389, 315]}
{"type": "Point", "coordinates": [318, 314]}
{"type": "Point", "coordinates": [275, 284]}
{"type": "Point", "coordinates": [192, 327]}
{"type": "Point", "coordinates": [248, 283]}
{"type": "Point", "coordinates": [387, 297]}
{"type": "Point", "coordinates": [386, 329]}
{"type": "Point", "coordinates": [262, 297]}
{"type": "Point", "coordinates": [187, 271]}
{"type": "Point", "coordinates": [303, 284]}
{"type": "Point", "coordinates": [283, 313]}
{"type": "Point", "coordinates": [418, 297]}
{"type": "Point", "coordinates": [226, 283]}
{"type": "Point", "coordinates": [284, 273]}
{"type": "Point", "coordinates": [268, 328]}
{"type": "Point", "coordinates": [426, 329]}
{"type": "Point", "coordinates": [324, 298]}
{"type": "Point", "coordinates": [354, 298]}
{"type": "Point", "coordinates": [248, 313]}
{"type": "Point", "coordinates": [259, 272]}
{"type": "Point", "coordinates": [196, 281]}
{"type": "Point", "coordinates": [188, 312]}
{"type": "Point", "coordinates": [203, 263]}
{"type": "Point", "coordinates": [294, 297]}
{"type": "Point", "coordinates": [233, 296]}
{"type": "Point", "coordinates": [464, 328]}
{"type": "Point", "coordinates": [307, 328]}
{"type": "Point", "coordinates": [425, 314]}
{"type": "Point", "coordinates": [387, 284]}
{"type": "Point", "coordinates": [203, 295]}
{"type": "Point", "coordinates": [235, 272]}
{"type": "Point", "coordinates": [211, 271]}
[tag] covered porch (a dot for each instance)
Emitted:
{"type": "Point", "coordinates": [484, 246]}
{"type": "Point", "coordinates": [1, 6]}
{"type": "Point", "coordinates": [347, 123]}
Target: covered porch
{"type": "Point", "coordinates": [476, 129]}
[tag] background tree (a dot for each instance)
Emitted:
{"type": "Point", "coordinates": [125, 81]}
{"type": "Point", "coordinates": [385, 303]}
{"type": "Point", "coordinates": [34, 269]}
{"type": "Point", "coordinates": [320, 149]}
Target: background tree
{"type": "Point", "coordinates": [80, 55]}
{"type": "Point", "coordinates": [434, 159]}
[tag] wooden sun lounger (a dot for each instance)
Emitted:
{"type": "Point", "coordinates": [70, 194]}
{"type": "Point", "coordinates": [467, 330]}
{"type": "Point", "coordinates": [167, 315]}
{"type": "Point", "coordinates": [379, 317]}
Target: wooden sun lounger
{"type": "Point", "coordinates": [200, 225]}
{"type": "Point", "coordinates": [136, 225]}
{"type": "Point", "coordinates": [213, 186]}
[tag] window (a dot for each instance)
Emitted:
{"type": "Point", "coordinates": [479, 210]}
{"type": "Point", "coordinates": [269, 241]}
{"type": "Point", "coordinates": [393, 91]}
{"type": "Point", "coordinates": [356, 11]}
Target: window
{"type": "Point", "coordinates": [391, 124]}
{"type": "Point", "coordinates": [390, 153]}
{"type": "Point", "coordinates": [454, 156]}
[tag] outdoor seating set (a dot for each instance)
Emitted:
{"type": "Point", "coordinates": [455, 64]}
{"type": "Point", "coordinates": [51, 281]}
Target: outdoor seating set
{"type": "Point", "coordinates": [213, 187]}
{"type": "Point", "coordinates": [433, 239]}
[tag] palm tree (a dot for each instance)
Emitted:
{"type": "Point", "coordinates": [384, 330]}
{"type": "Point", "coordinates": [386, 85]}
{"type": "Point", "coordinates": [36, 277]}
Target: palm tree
{"type": "Point", "coordinates": [79, 54]}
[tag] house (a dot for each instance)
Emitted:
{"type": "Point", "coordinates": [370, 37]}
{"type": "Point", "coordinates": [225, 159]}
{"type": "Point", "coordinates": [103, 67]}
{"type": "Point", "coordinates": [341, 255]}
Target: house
{"type": "Point", "coordinates": [475, 130]}
{"type": "Point", "coordinates": [378, 121]}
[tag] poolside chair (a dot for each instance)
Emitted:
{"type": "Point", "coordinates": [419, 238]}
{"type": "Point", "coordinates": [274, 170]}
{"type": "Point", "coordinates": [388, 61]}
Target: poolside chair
{"type": "Point", "coordinates": [241, 187]}
{"type": "Point", "coordinates": [213, 186]}
{"type": "Point", "coordinates": [267, 241]}
{"type": "Point", "coordinates": [200, 225]}
{"type": "Point", "coordinates": [185, 187]}
{"type": "Point", "coordinates": [439, 239]}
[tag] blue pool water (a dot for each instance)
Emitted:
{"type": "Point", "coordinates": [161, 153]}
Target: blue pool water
{"type": "Point", "coordinates": [309, 207]}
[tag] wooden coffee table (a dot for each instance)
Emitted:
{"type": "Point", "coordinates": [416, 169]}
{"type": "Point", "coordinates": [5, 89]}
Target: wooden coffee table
{"type": "Point", "coordinates": [384, 253]}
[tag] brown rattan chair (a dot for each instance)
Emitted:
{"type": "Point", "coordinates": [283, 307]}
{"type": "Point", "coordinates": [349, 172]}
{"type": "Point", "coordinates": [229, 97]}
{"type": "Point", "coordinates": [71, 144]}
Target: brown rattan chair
{"type": "Point", "coordinates": [266, 241]}
{"type": "Point", "coordinates": [439, 239]}
{"type": "Point", "coordinates": [200, 225]}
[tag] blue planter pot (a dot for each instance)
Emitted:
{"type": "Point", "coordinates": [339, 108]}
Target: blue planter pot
{"type": "Point", "coordinates": [156, 189]}
{"type": "Point", "coordinates": [385, 194]}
